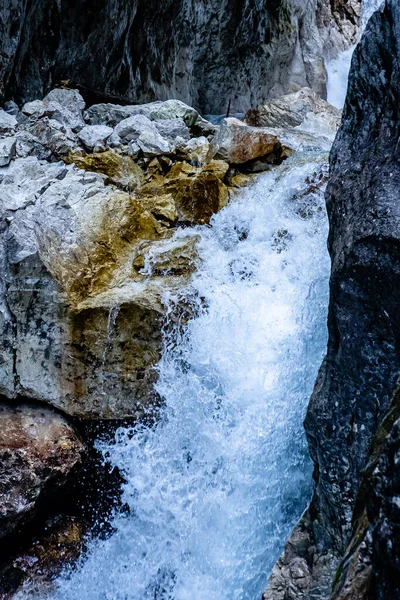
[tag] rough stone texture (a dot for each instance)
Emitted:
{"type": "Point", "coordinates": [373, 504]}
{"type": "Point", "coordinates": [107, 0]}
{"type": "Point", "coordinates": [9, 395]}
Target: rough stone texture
{"type": "Point", "coordinates": [81, 314]}
{"type": "Point", "coordinates": [32, 572]}
{"type": "Point", "coordinates": [94, 135]}
{"type": "Point", "coordinates": [38, 451]}
{"type": "Point", "coordinates": [359, 375]}
{"type": "Point", "coordinates": [237, 144]}
{"type": "Point", "coordinates": [300, 109]}
{"type": "Point", "coordinates": [371, 566]}
{"type": "Point", "coordinates": [203, 53]}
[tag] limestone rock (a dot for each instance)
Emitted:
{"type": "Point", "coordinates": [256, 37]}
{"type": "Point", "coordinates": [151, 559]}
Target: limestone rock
{"type": "Point", "coordinates": [70, 99]}
{"type": "Point", "coordinates": [54, 136]}
{"type": "Point", "coordinates": [67, 114]}
{"type": "Point", "coordinates": [198, 193]}
{"type": "Point", "coordinates": [94, 135]}
{"type": "Point", "coordinates": [118, 168]}
{"type": "Point", "coordinates": [27, 144]}
{"type": "Point", "coordinates": [171, 129]}
{"type": "Point", "coordinates": [173, 109]}
{"type": "Point", "coordinates": [196, 151]}
{"type": "Point", "coordinates": [139, 130]}
{"type": "Point", "coordinates": [39, 450]}
{"type": "Point", "coordinates": [33, 109]}
{"type": "Point", "coordinates": [112, 114]}
{"type": "Point", "coordinates": [11, 108]}
{"type": "Point", "coordinates": [301, 109]}
{"type": "Point", "coordinates": [94, 330]}
{"type": "Point", "coordinates": [152, 143]}
{"type": "Point", "coordinates": [190, 50]}
{"type": "Point", "coordinates": [7, 122]}
{"type": "Point", "coordinates": [7, 150]}
{"type": "Point", "coordinates": [236, 143]}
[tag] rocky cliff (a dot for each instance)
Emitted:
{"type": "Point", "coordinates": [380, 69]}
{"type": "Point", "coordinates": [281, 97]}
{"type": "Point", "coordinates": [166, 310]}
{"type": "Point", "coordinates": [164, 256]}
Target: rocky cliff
{"type": "Point", "coordinates": [352, 424]}
{"type": "Point", "coordinates": [204, 53]}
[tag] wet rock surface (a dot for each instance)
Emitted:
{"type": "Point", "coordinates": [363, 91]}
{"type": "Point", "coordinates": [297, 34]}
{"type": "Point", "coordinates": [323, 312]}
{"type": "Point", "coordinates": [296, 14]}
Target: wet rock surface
{"type": "Point", "coordinates": [39, 452]}
{"type": "Point", "coordinates": [203, 53]}
{"type": "Point", "coordinates": [358, 379]}
{"type": "Point", "coordinates": [88, 199]}
{"type": "Point", "coordinates": [301, 109]}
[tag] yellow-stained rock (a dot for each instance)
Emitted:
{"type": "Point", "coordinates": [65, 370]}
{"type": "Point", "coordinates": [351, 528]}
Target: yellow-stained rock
{"type": "Point", "coordinates": [198, 192]}
{"type": "Point", "coordinates": [119, 168]}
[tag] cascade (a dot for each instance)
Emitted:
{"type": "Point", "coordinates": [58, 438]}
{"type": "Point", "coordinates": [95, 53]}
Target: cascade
{"type": "Point", "coordinates": [338, 68]}
{"type": "Point", "coordinates": [216, 485]}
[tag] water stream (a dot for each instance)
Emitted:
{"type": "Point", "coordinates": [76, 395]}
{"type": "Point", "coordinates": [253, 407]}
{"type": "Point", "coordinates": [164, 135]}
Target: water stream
{"type": "Point", "coordinates": [338, 68]}
{"type": "Point", "coordinates": [216, 485]}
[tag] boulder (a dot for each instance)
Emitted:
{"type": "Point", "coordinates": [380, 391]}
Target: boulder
{"type": "Point", "coordinates": [39, 451]}
{"type": "Point", "coordinates": [33, 109]}
{"type": "Point", "coordinates": [171, 129]}
{"type": "Point", "coordinates": [68, 243]}
{"type": "Point", "coordinates": [94, 135]}
{"type": "Point", "coordinates": [67, 113]}
{"type": "Point", "coordinates": [11, 108]}
{"type": "Point", "coordinates": [113, 114]}
{"type": "Point", "coordinates": [199, 193]}
{"type": "Point", "coordinates": [196, 151]}
{"type": "Point", "coordinates": [142, 135]}
{"type": "Point", "coordinates": [237, 143]}
{"type": "Point", "coordinates": [8, 122]}
{"type": "Point", "coordinates": [120, 169]}
{"type": "Point", "coordinates": [70, 99]}
{"type": "Point", "coordinates": [303, 109]}
{"type": "Point", "coordinates": [7, 150]}
{"type": "Point", "coordinates": [54, 136]}
{"type": "Point", "coordinates": [27, 145]}
{"type": "Point", "coordinates": [33, 570]}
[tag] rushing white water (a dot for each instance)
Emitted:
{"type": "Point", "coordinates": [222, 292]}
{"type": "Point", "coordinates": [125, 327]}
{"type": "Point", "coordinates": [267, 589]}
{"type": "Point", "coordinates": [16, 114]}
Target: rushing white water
{"type": "Point", "coordinates": [338, 68]}
{"type": "Point", "coordinates": [338, 73]}
{"type": "Point", "coordinates": [215, 486]}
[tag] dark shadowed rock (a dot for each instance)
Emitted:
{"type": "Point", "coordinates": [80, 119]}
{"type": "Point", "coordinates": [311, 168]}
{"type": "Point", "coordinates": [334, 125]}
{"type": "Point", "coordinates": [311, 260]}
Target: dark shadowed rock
{"type": "Point", "coordinates": [38, 452]}
{"type": "Point", "coordinates": [360, 373]}
{"type": "Point", "coordinates": [371, 566]}
{"type": "Point", "coordinates": [203, 53]}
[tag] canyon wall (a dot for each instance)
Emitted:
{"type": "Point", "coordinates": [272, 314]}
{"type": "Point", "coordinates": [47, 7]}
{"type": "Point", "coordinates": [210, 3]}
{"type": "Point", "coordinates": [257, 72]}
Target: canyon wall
{"type": "Point", "coordinates": [204, 53]}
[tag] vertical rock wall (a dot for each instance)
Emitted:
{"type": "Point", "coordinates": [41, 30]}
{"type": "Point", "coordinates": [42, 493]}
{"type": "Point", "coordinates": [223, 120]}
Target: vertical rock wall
{"type": "Point", "coordinates": [356, 388]}
{"type": "Point", "coordinates": [204, 53]}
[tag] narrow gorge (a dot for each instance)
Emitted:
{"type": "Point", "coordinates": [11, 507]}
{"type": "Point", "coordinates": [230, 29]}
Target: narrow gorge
{"type": "Point", "coordinates": [170, 174]}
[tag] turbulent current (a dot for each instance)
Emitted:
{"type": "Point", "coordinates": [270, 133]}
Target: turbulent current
{"type": "Point", "coordinates": [215, 486]}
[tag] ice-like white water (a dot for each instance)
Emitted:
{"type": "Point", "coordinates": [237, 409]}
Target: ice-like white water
{"type": "Point", "coordinates": [216, 485]}
{"type": "Point", "coordinates": [338, 68]}
{"type": "Point", "coordinates": [338, 73]}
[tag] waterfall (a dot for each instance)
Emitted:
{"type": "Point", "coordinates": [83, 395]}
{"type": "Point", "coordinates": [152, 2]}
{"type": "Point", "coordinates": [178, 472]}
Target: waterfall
{"type": "Point", "coordinates": [338, 68]}
{"type": "Point", "coordinates": [215, 486]}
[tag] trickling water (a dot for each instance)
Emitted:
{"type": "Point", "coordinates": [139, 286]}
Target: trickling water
{"type": "Point", "coordinates": [216, 485]}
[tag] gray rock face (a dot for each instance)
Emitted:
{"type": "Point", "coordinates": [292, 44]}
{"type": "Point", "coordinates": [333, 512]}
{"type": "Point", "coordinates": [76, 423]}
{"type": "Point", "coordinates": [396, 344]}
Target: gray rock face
{"type": "Point", "coordinates": [80, 324]}
{"type": "Point", "coordinates": [38, 452]}
{"type": "Point", "coordinates": [303, 109]}
{"type": "Point", "coordinates": [371, 566]}
{"type": "Point", "coordinates": [203, 53]}
{"type": "Point", "coordinates": [359, 376]}
{"type": "Point", "coordinates": [94, 135]}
